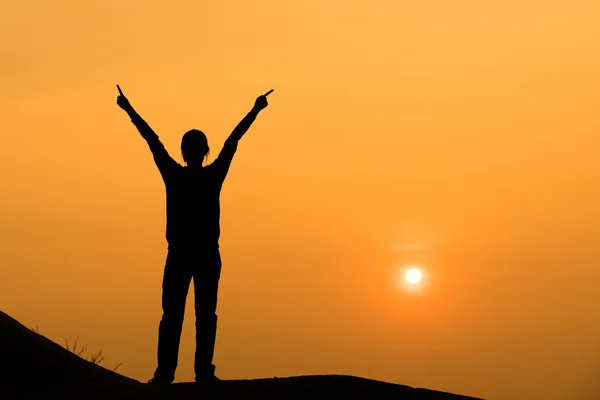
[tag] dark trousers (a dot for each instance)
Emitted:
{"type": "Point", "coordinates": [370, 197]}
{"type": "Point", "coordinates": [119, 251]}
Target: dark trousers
{"type": "Point", "coordinates": [183, 264]}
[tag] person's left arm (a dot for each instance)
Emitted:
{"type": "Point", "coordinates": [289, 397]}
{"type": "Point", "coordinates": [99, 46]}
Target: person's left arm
{"type": "Point", "coordinates": [225, 157]}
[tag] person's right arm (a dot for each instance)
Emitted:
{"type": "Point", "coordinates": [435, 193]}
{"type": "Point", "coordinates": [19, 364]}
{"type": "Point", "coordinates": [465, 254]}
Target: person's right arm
{"type": "Point", "coordinates": [161, 157]}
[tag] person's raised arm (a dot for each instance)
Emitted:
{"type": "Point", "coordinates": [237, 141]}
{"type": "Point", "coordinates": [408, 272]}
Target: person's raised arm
{"type": "Point", "coordinates": [161, 157]}
{"type": "Point", "coordinates": [241, 128]}
{"type": "Point", "coordinates": [229, 148]}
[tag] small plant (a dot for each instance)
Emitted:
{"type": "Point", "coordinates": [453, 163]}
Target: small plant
{"type": "Point", "coordinates": [94, 358]}
{"type": "Point", "coordinates": [74, 348]}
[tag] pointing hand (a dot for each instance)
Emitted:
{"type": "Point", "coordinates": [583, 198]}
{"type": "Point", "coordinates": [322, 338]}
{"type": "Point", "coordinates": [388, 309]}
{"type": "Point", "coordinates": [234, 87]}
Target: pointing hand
{"type": "Point", "coordinates": [261, 101]}
{"type": "Point", "coordinates": [122, 100]}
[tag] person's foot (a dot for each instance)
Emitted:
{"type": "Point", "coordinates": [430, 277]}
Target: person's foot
{"type": "Point", "coordinates": [155, 381]}
{"type": "Point", "coordinates": [207, 379]}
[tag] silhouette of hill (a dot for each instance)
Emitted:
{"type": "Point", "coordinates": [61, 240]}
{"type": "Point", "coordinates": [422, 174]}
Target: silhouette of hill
{"type": "Point", "coordinates": [34, 367]}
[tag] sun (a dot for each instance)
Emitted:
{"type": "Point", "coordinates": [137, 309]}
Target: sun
{"type": "Point", "coordinates": [413, 276]}
{"type": "Point", "coordinates": [413, 279]}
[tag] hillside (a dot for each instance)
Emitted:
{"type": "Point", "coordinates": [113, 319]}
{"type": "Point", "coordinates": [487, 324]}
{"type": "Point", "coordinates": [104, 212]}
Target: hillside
{"type": "Point", "coordinates": [32, 366]}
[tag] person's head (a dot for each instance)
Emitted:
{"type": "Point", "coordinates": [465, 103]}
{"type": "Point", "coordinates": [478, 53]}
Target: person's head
{"type": "Point", "coordinates": [194, 147]}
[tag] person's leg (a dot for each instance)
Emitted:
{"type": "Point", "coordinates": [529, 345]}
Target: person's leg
{"type": "Point", "coordinates": [206, 284]}
{"type": "Point", "coordinates": [176, 282]}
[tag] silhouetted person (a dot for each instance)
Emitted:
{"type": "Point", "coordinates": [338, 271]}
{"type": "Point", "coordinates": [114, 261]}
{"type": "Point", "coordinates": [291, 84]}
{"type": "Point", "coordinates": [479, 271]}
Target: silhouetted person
{"type": "Point", "coordinates": [193, 231]}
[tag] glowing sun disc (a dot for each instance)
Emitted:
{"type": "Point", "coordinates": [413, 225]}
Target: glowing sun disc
{"type": "Point", "coordinates": [413, 276]}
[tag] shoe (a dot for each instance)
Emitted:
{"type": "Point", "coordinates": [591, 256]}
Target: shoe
{"type": "Point", "coordinates": [207, 379]}
{"type": "Point", "coordinates": [155, 381]}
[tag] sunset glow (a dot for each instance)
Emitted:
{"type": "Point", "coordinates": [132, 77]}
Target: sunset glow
{"type": "Point", "coordinates": [403, 210]}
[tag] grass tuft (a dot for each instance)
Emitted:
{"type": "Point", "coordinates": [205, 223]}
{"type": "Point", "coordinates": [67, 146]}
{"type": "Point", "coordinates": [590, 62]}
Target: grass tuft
{"type": "Point", "coordinates": [94, 358]}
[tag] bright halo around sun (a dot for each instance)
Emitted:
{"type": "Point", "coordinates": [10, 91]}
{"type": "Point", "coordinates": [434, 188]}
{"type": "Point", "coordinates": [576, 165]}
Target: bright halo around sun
{"type": "Point", "coordinates": [413, 275]}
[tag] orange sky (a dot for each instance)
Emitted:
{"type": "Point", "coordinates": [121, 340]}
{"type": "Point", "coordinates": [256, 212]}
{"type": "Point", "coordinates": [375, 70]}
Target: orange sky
{"type": "Point", "coordinates": [465, 130]}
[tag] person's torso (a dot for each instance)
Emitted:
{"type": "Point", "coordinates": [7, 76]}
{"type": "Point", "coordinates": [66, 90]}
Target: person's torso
{"type": "Point", "coordinates": [193, 206]}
